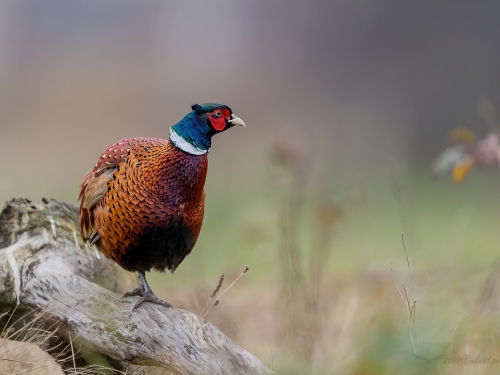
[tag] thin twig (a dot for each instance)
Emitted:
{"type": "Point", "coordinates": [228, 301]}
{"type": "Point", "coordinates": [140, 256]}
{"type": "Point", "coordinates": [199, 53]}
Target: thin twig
{"type": "Point", "coordinates": [411, 272]}
{"type": "Point", "coordinates": [408, 292]}
{"type": "Point", "coordinates": [217, 301]}
{"type": "Point", "coordinates": [216, 290]}
{"type": "Point", "coordinates": [412, 310]}
{"type": "Point", "coordinates": [73, 353]}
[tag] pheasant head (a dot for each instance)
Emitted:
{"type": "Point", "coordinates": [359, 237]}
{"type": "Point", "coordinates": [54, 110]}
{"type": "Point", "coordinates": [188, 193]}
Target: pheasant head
{"type": "Point", "coordinates": [193, 134]}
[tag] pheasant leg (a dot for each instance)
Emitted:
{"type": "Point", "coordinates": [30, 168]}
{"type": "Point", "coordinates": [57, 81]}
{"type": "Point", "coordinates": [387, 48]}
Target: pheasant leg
{"type": "Point", "coordinates": [139, 291]}
{"type": "Point", "coordinates": [145, 292]}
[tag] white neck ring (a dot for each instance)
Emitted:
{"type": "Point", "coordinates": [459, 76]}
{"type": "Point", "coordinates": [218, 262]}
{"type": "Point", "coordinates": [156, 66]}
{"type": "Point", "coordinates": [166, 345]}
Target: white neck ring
{"type": "Point", "coordinates": [184, 145]}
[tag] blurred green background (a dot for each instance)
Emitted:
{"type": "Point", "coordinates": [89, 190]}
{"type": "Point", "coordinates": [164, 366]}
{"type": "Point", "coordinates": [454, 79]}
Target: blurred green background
{"type": "Point", "coordinates": [346, 102]}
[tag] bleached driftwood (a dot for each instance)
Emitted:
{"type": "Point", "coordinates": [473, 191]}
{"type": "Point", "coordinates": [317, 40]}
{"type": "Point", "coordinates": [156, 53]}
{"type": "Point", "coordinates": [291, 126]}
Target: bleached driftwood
{"type": "Point", "coordinates": [44, 265]}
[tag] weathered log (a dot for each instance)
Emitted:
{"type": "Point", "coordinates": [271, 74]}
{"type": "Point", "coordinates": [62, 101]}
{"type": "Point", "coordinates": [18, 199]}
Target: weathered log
{"type": "Point", "coordinates": [44, 265]}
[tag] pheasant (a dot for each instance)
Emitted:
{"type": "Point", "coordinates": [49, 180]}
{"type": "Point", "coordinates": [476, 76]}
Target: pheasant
{"type": "Point", "coordinates": [142, 204]}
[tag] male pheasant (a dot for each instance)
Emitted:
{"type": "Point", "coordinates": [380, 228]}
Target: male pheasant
{"type": "Point", "coordinates": [142, 204]}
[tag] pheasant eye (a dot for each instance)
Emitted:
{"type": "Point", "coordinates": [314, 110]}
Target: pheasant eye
{"type": "Point", "coordinates": [218, 113]}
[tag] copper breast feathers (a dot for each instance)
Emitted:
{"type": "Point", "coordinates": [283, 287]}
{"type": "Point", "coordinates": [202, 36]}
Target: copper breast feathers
{"type": "Point", "coordinates": [142, 204]}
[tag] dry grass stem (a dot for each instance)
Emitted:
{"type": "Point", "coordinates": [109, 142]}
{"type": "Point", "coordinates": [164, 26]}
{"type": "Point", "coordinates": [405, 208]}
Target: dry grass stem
{"type": "Point", "coordinates": [229, 287]}
{"type": "Point", "coordinates": [406, 296]}
{"type": "Point", "coordinates": [216, 290]}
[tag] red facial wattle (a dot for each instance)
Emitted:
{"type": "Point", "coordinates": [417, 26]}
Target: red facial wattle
{"type": "Point", "coordinates": [219, 122]}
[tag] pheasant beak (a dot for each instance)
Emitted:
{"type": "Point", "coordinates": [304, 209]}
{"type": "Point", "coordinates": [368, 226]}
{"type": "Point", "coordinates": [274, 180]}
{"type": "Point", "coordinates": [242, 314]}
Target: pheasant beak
{"type": "Point", "coordinates": [235, 120]}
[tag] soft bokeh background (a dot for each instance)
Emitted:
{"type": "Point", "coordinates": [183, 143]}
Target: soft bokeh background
{"type": "Point", "coordinates": [346, 102]}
